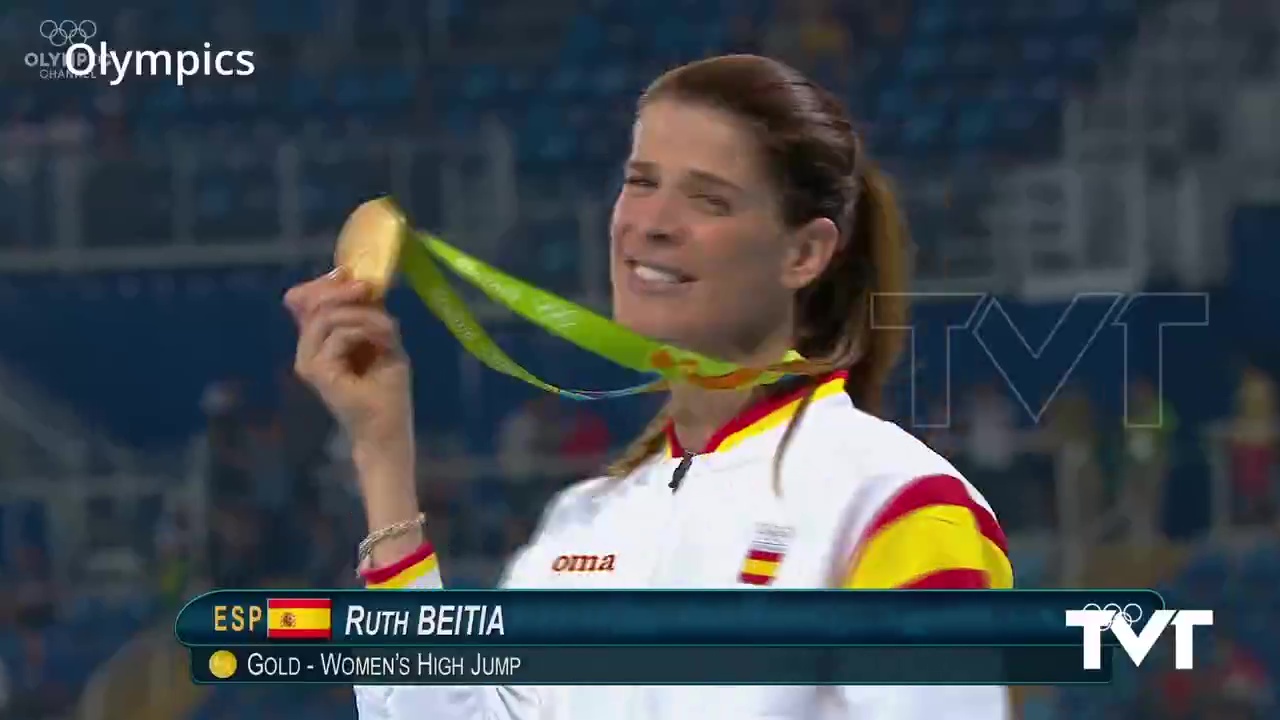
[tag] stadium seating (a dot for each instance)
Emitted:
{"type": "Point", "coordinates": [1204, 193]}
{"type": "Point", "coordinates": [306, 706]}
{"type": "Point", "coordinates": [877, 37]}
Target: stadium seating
{"type": "Point", "coordinates": [966, 86]}
{"type": "Point", "coordinates": [86, 637]}
{"type": "Point", "coordinates": [985, 79]}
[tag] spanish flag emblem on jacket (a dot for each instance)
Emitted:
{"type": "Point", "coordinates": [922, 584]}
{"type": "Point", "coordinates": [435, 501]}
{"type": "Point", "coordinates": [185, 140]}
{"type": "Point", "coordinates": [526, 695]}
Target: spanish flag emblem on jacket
{"type": "Point", "coordinates": [299, 619]}
{"type": "Point", "coordinates": [765, 554]}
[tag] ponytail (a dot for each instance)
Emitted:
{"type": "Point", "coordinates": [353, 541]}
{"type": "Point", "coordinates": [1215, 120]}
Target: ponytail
{"type": "Point", "coordinates": [880, 242]}
{"type": "Point", "coordinates": [854, 316]}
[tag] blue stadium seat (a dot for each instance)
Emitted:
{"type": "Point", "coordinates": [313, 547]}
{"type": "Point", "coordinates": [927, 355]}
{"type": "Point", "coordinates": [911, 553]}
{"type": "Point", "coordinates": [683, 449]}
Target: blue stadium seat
{"type": "Point", "coordinates": [922, 61]}
{"type": "Point", "coordinates": [569, 83]}
{"type": "Point", "coordinates": [351, 89]}
{"type": "Point", "coordinates": [979, 19]}
{"type": "Point", "coordinates": [976, 126]}
{"type": "Point", "coordinates": [481, 85]}
{"type": "Point", "coordinates": [128, 200]}
{"type": "Point", "coordinates": [1040, 52]}
{"type": "Point", "coordinates": [584, 39]}
{"type": "Point", "coordinates": [236, 196]}
{"type": "Point", "coordinates": [393, 88]}
{"type": "Point", "coordinates": [973, 58]}
{"type": "Point", "coordinates": [611, 81]}
{"type": "Point", "coordinates": [923, 132]}
{"type": "Point", "coordinates": [935, 19]}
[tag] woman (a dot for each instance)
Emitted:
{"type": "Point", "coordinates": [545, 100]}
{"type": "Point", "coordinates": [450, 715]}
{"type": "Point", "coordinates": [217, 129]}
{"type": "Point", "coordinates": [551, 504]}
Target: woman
{"type": "Point", "coordinates": [750, 222]}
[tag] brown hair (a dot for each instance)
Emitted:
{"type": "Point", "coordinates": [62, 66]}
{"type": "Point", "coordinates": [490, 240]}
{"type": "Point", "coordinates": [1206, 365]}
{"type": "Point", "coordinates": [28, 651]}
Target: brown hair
{"type": "Point", "coordinates": [820, 169]}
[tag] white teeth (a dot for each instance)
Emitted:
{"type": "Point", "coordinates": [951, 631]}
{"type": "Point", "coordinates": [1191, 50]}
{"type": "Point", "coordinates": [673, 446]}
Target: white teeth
{"type": "Point", "coordinates": [650, 274]}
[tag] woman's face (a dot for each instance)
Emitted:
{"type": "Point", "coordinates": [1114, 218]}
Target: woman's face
{"type": "Point", "coordinates": [700, 255]}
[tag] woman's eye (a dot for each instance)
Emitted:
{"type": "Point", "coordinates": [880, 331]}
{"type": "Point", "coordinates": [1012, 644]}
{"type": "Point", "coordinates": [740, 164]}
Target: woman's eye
{"type": "Point", "coordinates": [716, 203]}
{"type": "Point", "coordinates": [637, 181]}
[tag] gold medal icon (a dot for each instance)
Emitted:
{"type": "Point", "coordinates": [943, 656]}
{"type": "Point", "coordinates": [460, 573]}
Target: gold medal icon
{"type": "Point", "coordinates": [222, 664]}
{"type": "Point", "coordinates": [369, 244]}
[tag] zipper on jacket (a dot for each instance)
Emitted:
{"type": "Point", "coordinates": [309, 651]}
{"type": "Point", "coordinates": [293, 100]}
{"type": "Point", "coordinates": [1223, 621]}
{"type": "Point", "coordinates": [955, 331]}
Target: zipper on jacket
{"type": "Point", "coordinates": [681, 470]}
{"type": "Point", "coordinates": [668, 522]}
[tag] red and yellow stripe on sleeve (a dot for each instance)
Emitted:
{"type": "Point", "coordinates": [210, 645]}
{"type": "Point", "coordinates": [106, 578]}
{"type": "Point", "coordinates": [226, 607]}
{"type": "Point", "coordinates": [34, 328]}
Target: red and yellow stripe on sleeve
{"type": "Point", "coordinates": [405, 572]}
{"type": "Point", "coordinates": [933, 535]}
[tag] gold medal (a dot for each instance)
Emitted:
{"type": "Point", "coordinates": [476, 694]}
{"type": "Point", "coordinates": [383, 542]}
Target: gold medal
{"type": "Point", "coordinates": [369, 244]}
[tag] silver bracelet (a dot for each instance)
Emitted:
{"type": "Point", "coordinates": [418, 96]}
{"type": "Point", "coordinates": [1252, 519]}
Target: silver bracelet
{"type": "Point", "coordinates": [365, 548]}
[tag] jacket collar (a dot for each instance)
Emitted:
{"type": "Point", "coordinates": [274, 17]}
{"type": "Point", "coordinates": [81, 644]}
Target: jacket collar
{"type": "Point", "coordinates": [774, 410]}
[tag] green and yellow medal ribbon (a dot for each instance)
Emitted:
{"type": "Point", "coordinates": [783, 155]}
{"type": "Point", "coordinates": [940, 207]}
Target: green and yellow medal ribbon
{"type": "Point", "coordinates": [423, 258]}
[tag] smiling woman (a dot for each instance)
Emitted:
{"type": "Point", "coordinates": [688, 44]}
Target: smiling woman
{"type": "Point", "coordinates": [770, 199]}
{"type": "Point", "coordinates": [695, 230]}
{"type": "Point", "coordinates": [751, 223]}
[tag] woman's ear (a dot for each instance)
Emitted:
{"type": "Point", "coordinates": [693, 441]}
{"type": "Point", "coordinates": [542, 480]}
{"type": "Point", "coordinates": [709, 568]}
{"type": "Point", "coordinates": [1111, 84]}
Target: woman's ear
{"type": "Point", "coordinates": [811, 248]}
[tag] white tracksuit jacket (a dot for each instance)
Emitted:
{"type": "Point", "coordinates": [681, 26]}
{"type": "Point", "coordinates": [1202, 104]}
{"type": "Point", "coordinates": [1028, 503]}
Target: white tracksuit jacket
{"type": "Point", "coordinates": [865, 505]}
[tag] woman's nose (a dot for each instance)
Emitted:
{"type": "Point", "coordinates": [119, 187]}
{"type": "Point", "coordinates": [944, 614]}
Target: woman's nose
{"type": "Point", "coordinates": [662, 221]}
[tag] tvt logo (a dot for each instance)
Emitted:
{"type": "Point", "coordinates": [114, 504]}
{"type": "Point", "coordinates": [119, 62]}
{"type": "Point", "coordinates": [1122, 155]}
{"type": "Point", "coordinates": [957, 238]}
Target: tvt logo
{"type": "Point", "coordinates": [1094, 620]}
{"type": "Point", "coordinates": [1035, 371]}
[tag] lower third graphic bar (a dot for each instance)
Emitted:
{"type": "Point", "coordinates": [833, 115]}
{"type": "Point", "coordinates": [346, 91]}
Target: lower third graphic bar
{"type": "Point", "coordinates": [645, 665]}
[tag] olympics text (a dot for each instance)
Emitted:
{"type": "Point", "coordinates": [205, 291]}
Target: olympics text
{"type": "Point", "coordinates": [76, 57]}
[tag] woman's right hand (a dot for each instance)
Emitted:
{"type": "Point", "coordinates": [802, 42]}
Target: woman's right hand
{"type": "Point", "coordinates": [349, 351]}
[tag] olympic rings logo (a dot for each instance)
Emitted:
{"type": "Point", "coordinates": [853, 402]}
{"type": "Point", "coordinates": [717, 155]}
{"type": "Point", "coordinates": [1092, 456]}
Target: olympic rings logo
{"type": "Point", "coordinates": [1131, 613]}
{"type": "Point", "coordinates": [67, 32]}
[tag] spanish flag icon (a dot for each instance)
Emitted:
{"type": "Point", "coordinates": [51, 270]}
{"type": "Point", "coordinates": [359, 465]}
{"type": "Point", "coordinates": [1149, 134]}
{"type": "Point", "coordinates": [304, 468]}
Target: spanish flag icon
{"type": "Point", "coordinates": [765, 554]}
{"type": "Point", "coordinates": [299, 618]}
{"type": "Point", "coordinates": [760, 567]}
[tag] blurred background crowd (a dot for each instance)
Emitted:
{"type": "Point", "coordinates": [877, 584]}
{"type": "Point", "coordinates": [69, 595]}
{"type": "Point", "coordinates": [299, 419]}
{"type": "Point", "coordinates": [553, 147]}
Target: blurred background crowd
{"type": "Point", "coordinates": [154, 443]}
